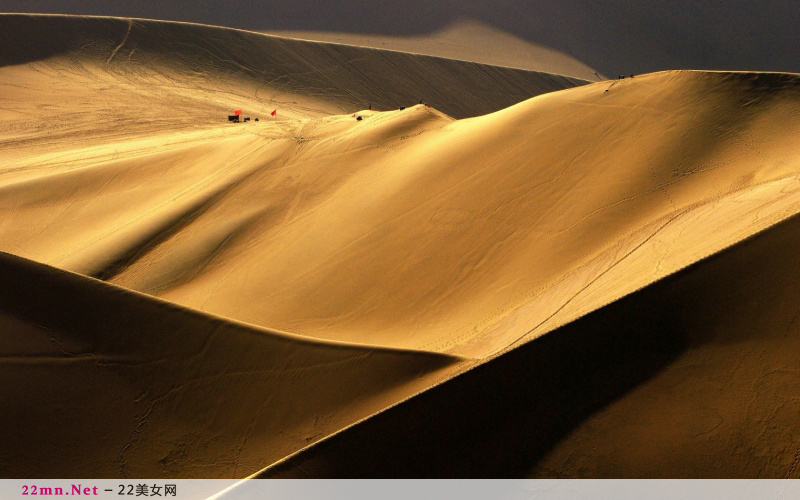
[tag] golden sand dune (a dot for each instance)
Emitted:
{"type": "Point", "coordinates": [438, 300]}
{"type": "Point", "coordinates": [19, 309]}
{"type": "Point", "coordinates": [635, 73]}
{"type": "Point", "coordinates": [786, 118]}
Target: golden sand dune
{"type": "Point", "coordinates": [178, 75]}
{"type": "Point", "coordinates": [270, 283]}
{"type": "Point", "coordinates": [100, 381]}
{"type": "Point", "coordinates": [694, 376]}
{"type": "Point", "coordinates": [409, 229]}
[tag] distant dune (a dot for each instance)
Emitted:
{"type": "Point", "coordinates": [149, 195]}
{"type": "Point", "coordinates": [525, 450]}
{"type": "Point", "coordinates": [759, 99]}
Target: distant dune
{"type": "Point", "coordinates": [466, 40]}
{"type": "Point", "coordinates": [202, 69]}
{"type": "Point", "coordinates": [613, 37]}
{"type": "Point", "coordinates": [222, 299]}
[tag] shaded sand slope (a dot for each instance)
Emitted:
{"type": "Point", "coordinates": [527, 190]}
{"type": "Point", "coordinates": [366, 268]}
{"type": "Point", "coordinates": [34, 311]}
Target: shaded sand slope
{"type": "Point", "coordinates": [466, 40]}
{"type": "Point", "coordinates": [409, 229]}
{"type": "Point", "coordinates": [692, 377]}
{"type": "Point", "coordinates": [97, 381]}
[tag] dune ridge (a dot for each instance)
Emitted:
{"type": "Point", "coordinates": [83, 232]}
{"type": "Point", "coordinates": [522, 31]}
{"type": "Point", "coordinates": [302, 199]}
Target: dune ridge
{"type": "Point", "coordinates": [465, 39]}
{"type": "Point", "coordinates": [200, 69]}
{"type": "Point", "coordinates": [168, 392]}
{"type": "Point", "coordinates": [310, 271]}
{"type": "Point", "coordinates": [676, 381]}
{"type": "Point", "coordinates": [250, 224]}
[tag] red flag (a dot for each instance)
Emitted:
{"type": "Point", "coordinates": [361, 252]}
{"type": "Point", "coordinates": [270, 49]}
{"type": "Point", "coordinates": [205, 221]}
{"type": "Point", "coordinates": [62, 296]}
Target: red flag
{"type": "Point", "coordinates": [237, 112]}
{"type": "Point", "coordinates": [274, 112]}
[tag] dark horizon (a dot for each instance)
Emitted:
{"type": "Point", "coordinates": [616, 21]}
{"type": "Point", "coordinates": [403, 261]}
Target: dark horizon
{"type": "Point", "coordinates": [616, 37]}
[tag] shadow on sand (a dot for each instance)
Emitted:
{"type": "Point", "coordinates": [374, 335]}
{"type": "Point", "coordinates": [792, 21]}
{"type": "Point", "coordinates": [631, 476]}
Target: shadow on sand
{"type": "Point", "coordinates": [499, 419]}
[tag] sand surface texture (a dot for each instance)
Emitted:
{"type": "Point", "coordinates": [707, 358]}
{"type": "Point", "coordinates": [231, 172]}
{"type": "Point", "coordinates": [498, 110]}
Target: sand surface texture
{"type": "Point", "coordinates": [515, 280]}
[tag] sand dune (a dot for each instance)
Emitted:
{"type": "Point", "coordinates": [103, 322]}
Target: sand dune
{"type": "Point", "coordinates": [694, 376]}
{"type": "Point", "coordinates": [115, 384]}
{"type": "Point", "coordinates": [486, 235]}
{"type": "Point", "coordinates": [466, 40]}
{"type": "Point", "coordinates": [225, 295]}
{"type": "Point", "coordinates": [182, 74]}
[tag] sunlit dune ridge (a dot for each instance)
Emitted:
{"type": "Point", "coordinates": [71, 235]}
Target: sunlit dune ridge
{"type": "Point", "coordinates": [409, 229]}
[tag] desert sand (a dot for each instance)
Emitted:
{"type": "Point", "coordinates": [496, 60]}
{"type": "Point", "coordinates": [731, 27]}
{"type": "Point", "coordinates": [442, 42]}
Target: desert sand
{"type": "Point", "coordinates": [528, 275]}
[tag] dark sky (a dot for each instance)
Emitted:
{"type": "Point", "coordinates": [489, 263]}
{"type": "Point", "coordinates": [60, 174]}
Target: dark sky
{"type": "Point", "coordinates": [613, 36]}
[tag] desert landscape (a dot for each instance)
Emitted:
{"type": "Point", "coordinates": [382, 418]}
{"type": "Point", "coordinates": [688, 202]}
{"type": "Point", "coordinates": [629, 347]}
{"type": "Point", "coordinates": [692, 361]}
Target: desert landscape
{"type": "Point", "coordinates": [404, 257]}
